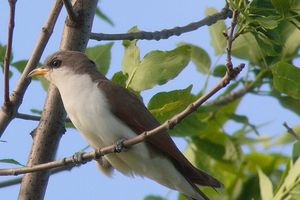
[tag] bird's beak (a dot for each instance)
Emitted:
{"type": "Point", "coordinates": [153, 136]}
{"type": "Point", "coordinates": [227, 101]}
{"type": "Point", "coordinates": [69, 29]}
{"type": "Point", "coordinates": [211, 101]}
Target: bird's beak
{"type": "Point", "coordinates": [38, 72]}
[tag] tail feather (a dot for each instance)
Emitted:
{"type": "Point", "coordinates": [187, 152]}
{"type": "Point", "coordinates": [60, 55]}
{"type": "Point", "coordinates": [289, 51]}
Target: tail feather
{"type": "Point", "coordinates": [197, 176]}
{"type": "Point", "coordinates": [200, 194]}
{"type": "Point", "coordinates": [202, 178]}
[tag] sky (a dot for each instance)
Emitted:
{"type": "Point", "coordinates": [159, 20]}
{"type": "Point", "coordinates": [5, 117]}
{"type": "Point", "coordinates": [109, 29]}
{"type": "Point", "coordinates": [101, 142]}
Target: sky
{"type": "Point", "coordinates": [85, 182]}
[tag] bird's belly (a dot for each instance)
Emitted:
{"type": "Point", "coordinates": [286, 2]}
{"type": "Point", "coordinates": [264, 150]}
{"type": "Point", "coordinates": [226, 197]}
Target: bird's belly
{"type": "Point", "coordinates": [137, 160]}
{"type": "Point", "coordinates": [109, 131]}
{"type": "Point", "coordinates": [101, 128]}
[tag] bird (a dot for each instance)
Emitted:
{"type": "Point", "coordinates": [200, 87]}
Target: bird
{"type": "Point", "coordinates": [105, 113]}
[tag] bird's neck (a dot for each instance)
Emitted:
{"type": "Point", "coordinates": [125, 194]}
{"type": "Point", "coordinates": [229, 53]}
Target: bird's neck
{"type": "Point", "coordinates": [76, 88]}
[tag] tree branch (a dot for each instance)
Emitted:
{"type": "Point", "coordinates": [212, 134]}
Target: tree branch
{"type": "Point", "coordinates": [291, 131]}
{"type": "Point", "coordinates": [241, 92]}
{"type": "Point", "coordinates": [72, 14]}
{"type": "Point", "coordinates": [166, 33]}
{"type": "Point", "coordinates": [18, 180]}
{"type": "Point", "coordinates": [32, 117]}
{"type": "Point", "coordinates": [8, 113]}
{"type": "Point", "coordinates": [11, 25]}
{"type": "Point", "coordinates": [230, 37]}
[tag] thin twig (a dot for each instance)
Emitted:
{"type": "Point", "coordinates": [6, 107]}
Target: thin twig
{"type": "Point", "coordinates": [8, 113]}
{"type": "Point", "coordinates": [72, 14]}
{"type": "Point", "coordinates": [241, 92]}
{"type": "Point", "coordinates": [11, 25]}
{"type": "Point", "coordinates": [32, 117]}
{"type": "Point", "coordinates": [223, 100]}
{"type": "Point", "coordinates": [291, 131]}
{"type": "Point", "coordinates": [230, 37]}
{"type": "Point", "coordinates": [166, 33]}
{"type": "Point", "coordinates": [18, 180]}
{"type": "Point", "coordinates": [27, 117]}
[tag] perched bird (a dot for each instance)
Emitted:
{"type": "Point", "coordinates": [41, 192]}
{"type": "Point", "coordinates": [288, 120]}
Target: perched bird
{"type": "Point", "coordinates": [105, 112]}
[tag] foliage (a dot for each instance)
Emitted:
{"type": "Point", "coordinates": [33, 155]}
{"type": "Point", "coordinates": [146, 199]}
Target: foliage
{"type": "Point", "coordinates": [271, 28]}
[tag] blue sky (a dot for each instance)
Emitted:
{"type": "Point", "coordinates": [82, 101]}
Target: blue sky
{"type": "Point", "coordinates": [86, 182]}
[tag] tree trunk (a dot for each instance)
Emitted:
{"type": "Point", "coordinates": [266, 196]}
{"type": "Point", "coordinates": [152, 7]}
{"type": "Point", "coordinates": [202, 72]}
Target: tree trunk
{"type": "Point", "coordinates": [51, 127]}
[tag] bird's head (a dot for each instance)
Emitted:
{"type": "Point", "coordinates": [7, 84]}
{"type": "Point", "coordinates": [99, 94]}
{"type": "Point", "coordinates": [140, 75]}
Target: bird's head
{"type": "Point", "coordinates": [61, 65]}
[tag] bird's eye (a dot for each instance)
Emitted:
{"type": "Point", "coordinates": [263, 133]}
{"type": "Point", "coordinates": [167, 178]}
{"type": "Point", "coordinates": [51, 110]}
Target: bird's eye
{"type": "Point", "coordinates": [55, 63]}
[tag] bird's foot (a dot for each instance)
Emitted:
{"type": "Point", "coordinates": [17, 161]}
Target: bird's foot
{"type": "Point", "coordinates": [120, 146]}
{"type": "Point", "coordinates": [77, 158]}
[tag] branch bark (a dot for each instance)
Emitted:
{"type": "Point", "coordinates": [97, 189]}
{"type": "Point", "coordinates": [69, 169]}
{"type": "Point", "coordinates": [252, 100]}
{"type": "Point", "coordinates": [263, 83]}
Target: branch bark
{"type": "Point", "coordinates": [51, 127]}
{"type": "Point", "coordinates": [166, 33]}
{"type": "Point", "coordinates": [11, 25]}
{"type": "Point", "coordinates": [33, 117]}
{"type": "Point", "coordinates": [72, 14]}
{"type": "Point", "coordinates": [8, 113]}
{"type": "Point", "coordinates": [18, 180]}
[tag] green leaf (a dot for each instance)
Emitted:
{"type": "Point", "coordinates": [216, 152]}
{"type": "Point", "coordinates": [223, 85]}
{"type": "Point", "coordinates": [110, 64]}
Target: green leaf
{"type": "Point", "coordinates": [45, 83]}
{"type": "Point", "coordinates": [218, 41]}
{"type": "Point", "coordinates": [283, 175]}
{"type": "Point", "coordinates": [286, 79]}
{"type": "Point", "coordinates": [120, 78]}
{"type": "Point", "coordinates": [216, 151]}
{"type": "Point", "coordinates": [287, 138]}
{"type": "Point", "coordinates": [20, 65]}
{"type": "Point", "coordinates": [266, 187]}
{"type": "Point", "coordinates": [232, 150]}
{"type": "Point", "coordinates": [101, 55]}
{"type": "Point", "coordinates": [152, 197]}
{"type": "Point", "coordinates": [244, 120]}
{"type": "Point", "coordinates": [282, 6]}
{"type": "Point", "coordinates": [2, 55]}
{"type": "Point", "coordinates": [157, 67]}
{"type": "Point", "coordinates": [220, 147]}
{"type": "Point", "coordinates": [164, 105]}
{"type": "Point", "coordinates": [131, 58]}
{"type": "Point", "coordinates": [267, 162]}
{"type": "Point", "coordinates": [296, 151]}
{"type": "Point", "coordinates": [200, 58]}
{"type": "Point", "coordinates": [268, 22]}
{"type": "Point", "coordinates": [11, 161]}
{"type": "Point", "coordinates": [192, 125]}
{"type": "Point", "coordinates": [104, 17]}
{"type": "Point", "coordinates": [285, 101]}
{"type": "Point", "coordinates": [219, 71]}
{"type": "Point", "coordinates": [290, 183]}
{"type": "Point", "coordinates": [291, 40]}
{"type": "Point", "coordinates": [240, 49]}
{"type": "Point", "coordinates": [36, 111]}
{"type": "Point", "coordinates": [69, 125]}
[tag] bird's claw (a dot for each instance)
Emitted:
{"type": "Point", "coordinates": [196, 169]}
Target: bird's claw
{"type": "Point", "coordinates": [77, 158]}
{"type": "Point", "coordinates": [120, 146]}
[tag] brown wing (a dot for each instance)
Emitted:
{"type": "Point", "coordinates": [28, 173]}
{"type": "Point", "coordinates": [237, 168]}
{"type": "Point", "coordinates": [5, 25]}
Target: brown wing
{"type": "Point", "coordinates": [132, 111]}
